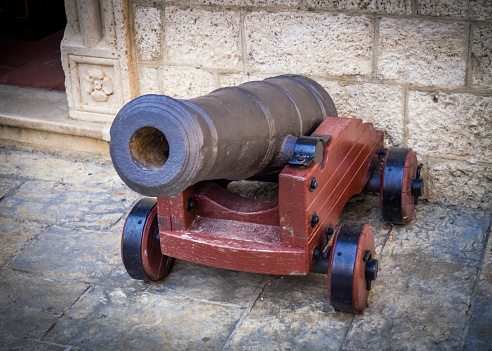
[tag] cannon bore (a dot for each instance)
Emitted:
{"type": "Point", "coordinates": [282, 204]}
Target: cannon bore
{"type": "Point", "coordinates": [160, 145]}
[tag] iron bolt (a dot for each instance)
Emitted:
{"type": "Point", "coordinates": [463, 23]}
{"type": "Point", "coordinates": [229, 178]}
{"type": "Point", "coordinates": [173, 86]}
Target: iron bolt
{"type": "Point", "coordinates": [191, 204]}
{"type": "Point", "coordinates": [314, 219]}
{"type": "Point", "coordinates": [313, 185]}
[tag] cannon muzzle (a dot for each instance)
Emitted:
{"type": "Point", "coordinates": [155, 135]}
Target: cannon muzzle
{"type": "Point", "coordinates": [160, 145]}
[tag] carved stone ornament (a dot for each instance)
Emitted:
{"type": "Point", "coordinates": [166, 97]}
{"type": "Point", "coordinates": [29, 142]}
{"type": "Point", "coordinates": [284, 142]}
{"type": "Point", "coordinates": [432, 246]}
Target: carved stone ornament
{"type": "Point", "coordinates": [98, 85]}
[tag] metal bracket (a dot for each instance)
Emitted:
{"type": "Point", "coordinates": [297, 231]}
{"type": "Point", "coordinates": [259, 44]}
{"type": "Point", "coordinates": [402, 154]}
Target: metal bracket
{"type": "Point", "coordinates": [309, 149]}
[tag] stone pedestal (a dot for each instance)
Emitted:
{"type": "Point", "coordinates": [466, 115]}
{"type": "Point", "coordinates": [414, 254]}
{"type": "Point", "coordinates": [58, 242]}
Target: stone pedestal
{"type": "Point", "coordinates": [96, 59]}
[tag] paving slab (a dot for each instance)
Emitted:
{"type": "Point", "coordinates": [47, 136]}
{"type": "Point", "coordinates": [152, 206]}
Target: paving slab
{"type": "Point", "coordinates": [443, 234]}
{"type": "Point", "coordinates": [8, 184]}
{"type": "Point", "coordinates": [11, 343]}
{"type": "Point", "coordinates": [415, 305]}
{"type": "Point", "coordinates": [71, 254]}
{"type": "Point", "coordinates": [30, 305]}
{"type": "Point", "coordinates": [78, 205]}
{"type": "Point", "coordinates": [480, 328]}
{"type": "Point", "coordinates": [130, 319]}
{"type": "Point", "coordinates": [292, 313]}
{"type": "Point", "coordinates": [50, 168]}
{"type": "Point", "coordinates": [15, 235]}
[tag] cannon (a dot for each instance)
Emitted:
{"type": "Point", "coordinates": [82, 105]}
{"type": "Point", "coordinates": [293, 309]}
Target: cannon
{"type": "Point", "coordinates": [183, 153]}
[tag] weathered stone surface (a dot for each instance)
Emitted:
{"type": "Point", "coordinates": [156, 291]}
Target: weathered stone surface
{"type": "Point", "coordinates": [297, 307]}
{"type": "Point", "coordinates": [25, 165]}
{"type": "Point", "coordinates": [383, 106]}
{"type": "Point", "coordinates": [59, 254]}
{"type": "Point", "coordinates": [8, 184]}
{"type": "Point", "coordinates": [364, 208]}
{"type": "Point", "coordinates": [49, 202]}
{"type": "Point", "coordinates": [440, 8]}
{"type": "Point", "coordinates": [481, 10]}
{"type": "Point", "coordinates": [15, 235]}
{"type": "Point", "coordinates": [259, 3]}
{"type": "Point", "coordinates": [422, 52]}
{"type": "Point", "coordinates": [378, 6]}
{"type": "Point", "coordinates": [107, 178]}
{"type": "Point", "coordinates": [481, 51]}
{"type": "Point", "coordinates": [201, 38]}
{"type": "Point", "coordinates": [148, 32]}
{"type": "Point", "coordinates": [309, 43]}
{"type": "Point", "coordinates": [442, 234]}
{"type": "Point", "coordinates": [229, 80]}
{"type": "Point", "coordinates": [30, 305]}
{"type": "Point", "coordinates": [480, 329]}
{"type": "Point", "coordinates": [414, 305]}
{"type": "Point", "coordinates": [149, 80]}
{"type": "Point", "coordinates": [485, 279]}
{"type": "Point", "coordinates": [11, 343]}
{"type": "Point", "coordinates": [441, 124]}
{"type": "Point", "coordinates": [138, 319]}
{"type": "Point", "coordinates": [189, 281]}
{"type": "Point", "coordinates": [282, 3]}
{"type": "Point", "coordinates": [459, 183]}
{"type": "Point", "coordinates": [187, 82]}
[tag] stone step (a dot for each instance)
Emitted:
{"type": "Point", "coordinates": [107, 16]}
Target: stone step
{"type": "Point", "coordinates": [35, 118]}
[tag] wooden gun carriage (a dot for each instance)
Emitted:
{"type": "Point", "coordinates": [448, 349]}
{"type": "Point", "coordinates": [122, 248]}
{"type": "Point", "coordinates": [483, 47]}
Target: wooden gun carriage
{"type": "Point", "coordinates": [284, 129]}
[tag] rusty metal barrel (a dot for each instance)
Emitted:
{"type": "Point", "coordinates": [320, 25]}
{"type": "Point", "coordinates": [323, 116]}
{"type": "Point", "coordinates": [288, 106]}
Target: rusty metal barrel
{"type": "Point", "coordinates": [160, 146]}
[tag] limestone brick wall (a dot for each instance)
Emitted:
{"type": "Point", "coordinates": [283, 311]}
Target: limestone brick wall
{"type": "Point", "coordinates": [421, 70]}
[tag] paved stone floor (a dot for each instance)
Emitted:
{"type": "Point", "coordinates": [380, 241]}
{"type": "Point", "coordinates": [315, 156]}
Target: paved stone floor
{"type": "Point", "coordinates": [63, 286]}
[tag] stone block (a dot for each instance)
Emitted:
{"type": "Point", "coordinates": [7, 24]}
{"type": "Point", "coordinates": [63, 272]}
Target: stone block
{"type": "Point", "coordinates": [400, 7]}
{"type": "Point", "coordinates": [481, 51]}
{"type": "Point", "coordinates": [485, 279]}
{"type": "Point", "coordinates": [15, 235]}
{"type": "Point", "coordinates": [148, 32]}
{"type": "Point", "coordinates": [447, 124]}
{"type": "Point", "coordinates": [481, 10]}
{"type": "Point", "coordinates": [459, 183]}
{"type": "Point", "coordinates": [186, 82]}
{"type": "Point", "coordinates": [35, 166]}
{"type": "Point", "coordinates": [414, 305]}
{"type": "Point", "coordinates": [11, 343]}
{"type": "Point", "coordinates": [480, 329]}
{"type": "Point", "coordinates": [422, 52]}
{"type": "Point", "coordinates": [129, 318]}
{"type": "Point", "coordinates": [81, 255]}
{"type": "Point", "coordinates": [309, 43]}
{"type": "Point", "coordinates": [8, 184]}
{"type": "Point", "coordinates": [383, 106]}
{"type": "Point", "coordinates": [233, 79]}
{"type": "Point", "coordinates": [30, 305]}
{"type": "Point", "coordinates": [292, 306]}
{"type": "Point", "coordinates": [81, 206]}
{"type": "Point", "coordinates": [149, 80]}
{"type": "Point", "coordinates": [441, 234]}
{"type": "Point", "coordinates": [442, 8]}
{"type": "Point", "coordinates": [188, 281]}
{"type": "Point", "coordinates": [201, 38]}
{"type": "Point", "coordinates": [96, 94]}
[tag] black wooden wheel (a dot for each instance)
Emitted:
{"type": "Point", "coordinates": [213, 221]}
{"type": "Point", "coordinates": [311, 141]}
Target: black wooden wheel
{"type": "Point", "coordinates": [400, 185]}
{"type": "Point", "coordinates": [351, 267]}
{"type": "Point", "coordinates": [140, 244]}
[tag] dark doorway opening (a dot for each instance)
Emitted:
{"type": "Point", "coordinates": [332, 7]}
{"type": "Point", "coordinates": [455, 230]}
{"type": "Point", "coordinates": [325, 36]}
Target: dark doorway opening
{"type": "Point", "coordinates": [30, 35]}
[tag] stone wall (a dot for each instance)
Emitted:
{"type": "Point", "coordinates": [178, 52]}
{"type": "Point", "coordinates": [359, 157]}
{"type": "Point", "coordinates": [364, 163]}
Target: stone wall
{"type": "Point", "coordinates": [421, 70]}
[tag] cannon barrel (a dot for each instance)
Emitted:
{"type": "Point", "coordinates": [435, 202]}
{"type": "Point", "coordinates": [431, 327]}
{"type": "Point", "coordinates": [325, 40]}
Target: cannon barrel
{"type": "Point", "coordinates": [160, 146]}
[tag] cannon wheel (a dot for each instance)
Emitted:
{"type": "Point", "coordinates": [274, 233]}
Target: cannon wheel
{"type": "Point", "coordinates": [140, 244]}
{"type": "Point", "coordinates": [400, 168]}
{"type": "Point", "coordinates": [351, 267]}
